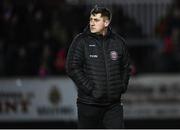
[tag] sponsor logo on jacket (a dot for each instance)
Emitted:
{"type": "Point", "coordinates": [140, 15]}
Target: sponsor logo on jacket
{"type": "Point", "coordinates": [93, 56]}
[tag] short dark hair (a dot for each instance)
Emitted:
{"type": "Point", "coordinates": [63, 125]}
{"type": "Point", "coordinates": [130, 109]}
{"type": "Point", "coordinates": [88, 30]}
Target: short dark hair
{"type": "Point", "coordinates": [103, 11]}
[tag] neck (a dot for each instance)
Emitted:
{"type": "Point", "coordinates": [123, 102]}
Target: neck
{"type": "Point", "coordinates": [103, 32]}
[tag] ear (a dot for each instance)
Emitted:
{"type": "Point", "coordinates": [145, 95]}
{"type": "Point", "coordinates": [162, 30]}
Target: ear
{"type": "Point", "coordinates": [106, 23]}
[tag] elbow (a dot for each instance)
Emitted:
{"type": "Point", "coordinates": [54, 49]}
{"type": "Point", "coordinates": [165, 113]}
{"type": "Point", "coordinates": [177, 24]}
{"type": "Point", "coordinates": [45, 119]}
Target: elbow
{"type": "Point", "coordinates": [68, 72]}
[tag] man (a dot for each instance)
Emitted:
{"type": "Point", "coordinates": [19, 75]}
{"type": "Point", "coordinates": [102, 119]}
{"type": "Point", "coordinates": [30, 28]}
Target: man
{"type": "Point", "coordinates": [98, 63]}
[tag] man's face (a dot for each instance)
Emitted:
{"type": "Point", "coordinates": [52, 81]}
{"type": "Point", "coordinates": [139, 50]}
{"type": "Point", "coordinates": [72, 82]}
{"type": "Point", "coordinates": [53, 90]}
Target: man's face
{"type": "Point", "coordinates": [98, 23]}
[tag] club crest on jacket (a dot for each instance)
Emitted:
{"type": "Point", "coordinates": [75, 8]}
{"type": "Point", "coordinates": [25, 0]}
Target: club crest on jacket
{"type": "Point", "coordinates": [114, 55]}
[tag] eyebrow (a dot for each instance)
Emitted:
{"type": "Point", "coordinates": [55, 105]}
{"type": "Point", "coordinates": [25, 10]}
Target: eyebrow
{"type": "Point", "coordinates": [96, 19]}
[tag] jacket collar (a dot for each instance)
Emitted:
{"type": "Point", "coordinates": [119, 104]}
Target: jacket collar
{"type": "Point", "coordinates": [88, 32]}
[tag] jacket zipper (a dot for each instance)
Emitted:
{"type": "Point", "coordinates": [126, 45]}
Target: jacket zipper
{"type": "Point", "coordinates": [107, 74]}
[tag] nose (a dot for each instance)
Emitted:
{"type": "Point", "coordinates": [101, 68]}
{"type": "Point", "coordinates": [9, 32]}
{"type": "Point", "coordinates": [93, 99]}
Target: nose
{"type": "Point", "coordinates": [92, 23]}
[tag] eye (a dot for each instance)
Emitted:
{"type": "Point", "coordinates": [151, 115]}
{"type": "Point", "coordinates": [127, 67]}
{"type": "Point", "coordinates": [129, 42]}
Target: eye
{"type": "Point", "coordinates": [96, 20]}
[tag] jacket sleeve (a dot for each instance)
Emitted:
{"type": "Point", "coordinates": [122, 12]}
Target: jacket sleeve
{"type": "Point", "coordinates": [125, 68]}
{"type": "Point", "coordinates": [74, 66]}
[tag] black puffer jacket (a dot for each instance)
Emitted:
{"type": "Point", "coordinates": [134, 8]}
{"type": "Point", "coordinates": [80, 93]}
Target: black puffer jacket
{"type": "Point", "coordinates": [99, 66]}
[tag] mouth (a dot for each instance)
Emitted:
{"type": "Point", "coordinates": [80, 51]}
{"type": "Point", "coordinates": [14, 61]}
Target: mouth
{"type": "Point", "coordinates": [92, 28]}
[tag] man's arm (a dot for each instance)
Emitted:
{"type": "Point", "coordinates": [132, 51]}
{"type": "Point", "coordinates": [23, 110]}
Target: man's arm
{"type": "Point", "coordinates": [125, 68]}
{"type": "Point", "coordinates": [74, 66]}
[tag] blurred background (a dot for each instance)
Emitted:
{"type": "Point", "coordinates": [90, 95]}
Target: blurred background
{"type": "Point", "coordinates": [35, 35]}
